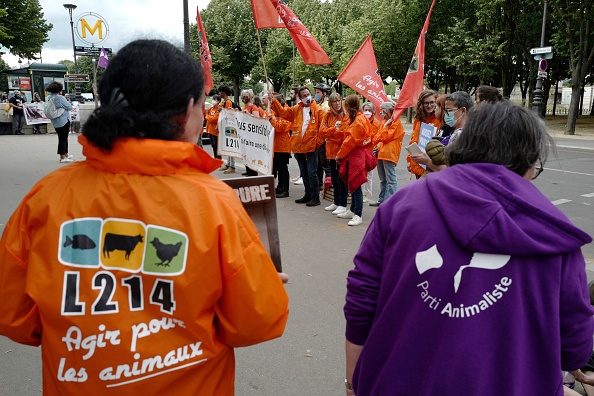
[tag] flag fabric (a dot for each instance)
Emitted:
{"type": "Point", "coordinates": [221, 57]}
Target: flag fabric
{"type": "Point", "coordinates": [103, 60]}
{"type": "Point", "coordinates": [310, 50]}
{"type": "Point", "coordinates": [413, 83]}
{"type": "Point", "coordinates": [265, 15]}
{"type": "Point", "coordinates": [205, 58]}
{"type": "Point", "coordinates": [362, 75]}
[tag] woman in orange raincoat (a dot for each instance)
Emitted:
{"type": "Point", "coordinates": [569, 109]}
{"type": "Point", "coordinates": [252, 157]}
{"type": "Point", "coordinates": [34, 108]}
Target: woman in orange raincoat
{"type": "Point", "coordinates": [425, 114]}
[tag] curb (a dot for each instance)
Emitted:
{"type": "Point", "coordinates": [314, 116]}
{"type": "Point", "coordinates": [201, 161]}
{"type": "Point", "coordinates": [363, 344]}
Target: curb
{"type": "Point", "coordinates": [575, 148]}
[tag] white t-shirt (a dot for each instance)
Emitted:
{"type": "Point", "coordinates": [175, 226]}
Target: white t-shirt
{"type": "Point", "coordinates": [306, 117]}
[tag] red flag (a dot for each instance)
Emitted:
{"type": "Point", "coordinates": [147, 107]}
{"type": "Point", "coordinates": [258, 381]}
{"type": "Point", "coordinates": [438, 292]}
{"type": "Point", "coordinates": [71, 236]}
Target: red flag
{"type": "Point", "coordinates": [311, 52]}
{"type": "Point", "coordinates": [265, 15]}
{"type": "Point", "coordinates": [205, 58]}
{"type": "Point", "coordinates": [413, 83]}
{"type": "Point", "coordinates": [362, 75]}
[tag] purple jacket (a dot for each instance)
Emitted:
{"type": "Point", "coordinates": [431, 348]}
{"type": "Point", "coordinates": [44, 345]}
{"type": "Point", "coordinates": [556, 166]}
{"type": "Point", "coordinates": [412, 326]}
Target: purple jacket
{"type": "Point", "coordinates": [469, 282]}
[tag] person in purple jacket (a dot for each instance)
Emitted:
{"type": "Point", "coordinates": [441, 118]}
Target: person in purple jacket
{"type": "Point", "coordinates": [470, 282]}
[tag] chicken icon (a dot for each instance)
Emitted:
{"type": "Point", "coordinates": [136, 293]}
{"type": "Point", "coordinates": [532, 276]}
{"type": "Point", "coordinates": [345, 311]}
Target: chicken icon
{"type": "Point", "coordinates": [165, 252]}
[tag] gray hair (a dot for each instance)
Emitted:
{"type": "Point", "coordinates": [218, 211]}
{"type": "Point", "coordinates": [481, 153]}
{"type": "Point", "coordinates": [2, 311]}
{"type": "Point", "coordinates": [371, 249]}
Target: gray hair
{"type": "Point", "coordinates": [502, 133]}
{"type": "Point", "coordinates": [249, 92]}
{"type": "Point", "coordinates": [387, 106]}
{"type": "Point", "coordinates": [461, 99]}
{"type": "Point", "coordinates": [370, 105]}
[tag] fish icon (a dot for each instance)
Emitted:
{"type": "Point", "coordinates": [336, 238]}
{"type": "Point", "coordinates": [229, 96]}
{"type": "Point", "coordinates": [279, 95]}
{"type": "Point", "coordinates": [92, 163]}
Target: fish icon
{"type": "Point", "coordinates": [80, 241]}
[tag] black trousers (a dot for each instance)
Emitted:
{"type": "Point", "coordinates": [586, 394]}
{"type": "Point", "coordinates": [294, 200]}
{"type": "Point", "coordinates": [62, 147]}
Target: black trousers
{"type": "Point", "coordinates": [63, 138]}
{"type": "Point", "coordinates": [280, 166]}
{"type": "Point", "coordinates": [323, 166]}
{"type": "Point", "coordinates": [214, 141]}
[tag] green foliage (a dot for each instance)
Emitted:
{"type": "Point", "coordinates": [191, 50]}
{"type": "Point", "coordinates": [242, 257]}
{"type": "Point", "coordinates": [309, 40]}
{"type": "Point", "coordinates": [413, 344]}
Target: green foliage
{"type": "Point", "coordinates": [22, 27]}
{"type": "Point", "coordinates": [85, 66]}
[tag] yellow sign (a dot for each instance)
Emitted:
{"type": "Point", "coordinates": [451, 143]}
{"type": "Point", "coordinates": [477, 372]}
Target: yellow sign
{"type": "Point", "coordinates": [92, 28]}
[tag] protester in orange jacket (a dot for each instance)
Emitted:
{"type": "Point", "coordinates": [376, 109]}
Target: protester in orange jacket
{"type": "Point", "coordinates": [212, 118]}
{"type": "Point", "coordinates": [282, 150]}
{"type": "Point", "coordinates": [333, 134]}
{"type": "Point", "coordinates": [128, 284]}
{"type": "Point", "coordinates": [354, 160]}
{"type": "Point", "coordinates": [425, 114]}
{"type": "Point", "coordinates": [305, 117]}
{"type": "Point", "coordinates": [389, 138]}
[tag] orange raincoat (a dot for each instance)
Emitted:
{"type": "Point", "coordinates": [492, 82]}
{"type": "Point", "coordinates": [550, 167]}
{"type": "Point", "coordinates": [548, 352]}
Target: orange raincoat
{"type": "Point", "coordinates": [414, 138]}
{"type": "Point", "coordinates": [301, 143]}
{"type": "Point", "coordinates": [390, 141]}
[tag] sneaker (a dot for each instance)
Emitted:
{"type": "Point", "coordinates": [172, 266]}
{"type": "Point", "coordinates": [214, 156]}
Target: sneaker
{"type": "Point", "coordinates": [374, 203]}
{"type": "Point", "coordinates": [304, 199]}
{"type": "Point", "coordinates": [347, 214]}
{"type": "Point", "coordinates": [283, 194]}
{"type": "Point", "coordinates": [331, 207]}
{"type": "Point", "coordinates": [65, 160]}
{"type": "Point", "coordinates": [70, 156]}
{"type": "Point", "coordinates": [315, 201]}
{"type": "Point", "coordinates": [365, 198]}
{"type": "Point", "coordinates": [299, 181]}
{"type": "Point", "coordinates": [224, 168]}
{"type": "Point", "coordinates": [339, 210]}
{"type": "Point", "coordinates": [357, 220]}
{"type": "Point", "coordinates": [295, 179]}
{"type": "Point", "coordinates": [229, 170]}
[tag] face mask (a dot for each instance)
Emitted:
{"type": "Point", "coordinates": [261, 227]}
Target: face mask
{"type": "Point", "coordinates": [367, 113]}
{"type": "Point", "coordinates": [306, 100]}
{"type": "Point", "coordinates": [317, 97]}
{"type": "Point", "coordinates": [450, 119]}
{"type": "Point", "coordinates": [245, 100]}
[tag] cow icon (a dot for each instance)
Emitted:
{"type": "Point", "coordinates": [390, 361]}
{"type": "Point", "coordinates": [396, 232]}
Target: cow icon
{"type": "Point", "coordinates": [126, 243]}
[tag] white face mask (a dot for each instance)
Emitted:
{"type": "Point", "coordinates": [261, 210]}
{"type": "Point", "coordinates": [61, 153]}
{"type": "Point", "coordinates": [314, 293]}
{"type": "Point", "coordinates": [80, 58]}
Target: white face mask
{"type": "Point", "coordinates": [367, 113]}
{"type": "Point", "coordinates": [306, 100]}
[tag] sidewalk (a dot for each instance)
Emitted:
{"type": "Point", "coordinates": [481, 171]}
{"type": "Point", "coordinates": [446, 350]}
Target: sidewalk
{"type": "Point", "coordinates": [583, 140]}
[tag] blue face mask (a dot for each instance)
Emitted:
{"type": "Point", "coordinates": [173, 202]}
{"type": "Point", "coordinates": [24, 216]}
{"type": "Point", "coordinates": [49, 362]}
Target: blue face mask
{"type": "Point", "coordinates": [450, 119]}
{"type": "Point", "coordinates": [317, 97]}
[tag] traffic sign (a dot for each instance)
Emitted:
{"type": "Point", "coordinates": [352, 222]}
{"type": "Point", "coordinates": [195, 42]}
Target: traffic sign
{"type": "Point", "coordinates": [544, 56]}
{"type": "Point", "coordinates": [85, 51]}
{"type": "Point", "coordinates": [542, 65]}
{"type": "Point", "coordinates": [541, 50]}
{"type": "Point", "coordinates": [542, 74]}
{"type": "Point", "coordinates": [77, 78]}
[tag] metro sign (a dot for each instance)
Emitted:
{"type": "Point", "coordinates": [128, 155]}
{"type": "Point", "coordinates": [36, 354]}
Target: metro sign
{"type": "Point", "coordinates": [92, 28]}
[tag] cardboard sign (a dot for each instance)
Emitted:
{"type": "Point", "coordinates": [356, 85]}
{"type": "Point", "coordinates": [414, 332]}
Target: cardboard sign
{"type": "Point", "coordinates": [259, 200]}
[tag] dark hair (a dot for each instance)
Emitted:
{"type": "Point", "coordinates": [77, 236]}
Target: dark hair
{"type": "Point", "coordinates": [421, 114]}
{"type": "Point", "coordinates": [226, 89]}
{"type": "Point", "coordinates": [352, 105]}
{"type": "Point", "coordinates": [280, 98]}
{"type": "Point", "coordinates": [141, 93]}
{"type": "Point", "coordinates": [302, 89]}
{"type": "Point", "coordinates": [258, 102]}
{"type": "Point", "coordinates": [502, 133]}
{"type": "Point", "coordinates": [488, 94]}
{"type": "Point", "coordinates": [54, 87]}
{"type": "Point", "coordinates": [216, 97]}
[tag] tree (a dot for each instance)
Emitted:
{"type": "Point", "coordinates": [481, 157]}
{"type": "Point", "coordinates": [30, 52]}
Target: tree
{"type": "Point", "coordinates": [574, 20]}
{"type": "Point", "coordinates": [85, 66]}
{"type": "Point", "coordinates": [22, 27]}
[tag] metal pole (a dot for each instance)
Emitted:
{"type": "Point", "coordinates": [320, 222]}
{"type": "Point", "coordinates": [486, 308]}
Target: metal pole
{"type": "Point", "coordinates": [186, 28]}
{"type": "Point", "coordinates": [95, 82]}
{"type": "Point", "coordinates": [537, 102]}
{"type": "Point", "coordinates": [70, 8]}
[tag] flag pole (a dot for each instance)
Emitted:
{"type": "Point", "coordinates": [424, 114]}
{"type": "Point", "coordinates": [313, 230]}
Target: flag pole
{"type": "Point", "coordinates": [293, 63]}
{"type": "Point", "coordinates": [263, 63]}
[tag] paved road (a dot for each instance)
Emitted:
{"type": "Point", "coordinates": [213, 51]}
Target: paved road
{"type": "Point", "coordinates": [317, 250]}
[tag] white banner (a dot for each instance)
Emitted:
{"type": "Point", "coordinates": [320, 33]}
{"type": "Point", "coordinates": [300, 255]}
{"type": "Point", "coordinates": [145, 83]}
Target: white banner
{"type": "Point", "coordinates": [247, 137]}
{"type": "Point", "coordinates": [34, 113]}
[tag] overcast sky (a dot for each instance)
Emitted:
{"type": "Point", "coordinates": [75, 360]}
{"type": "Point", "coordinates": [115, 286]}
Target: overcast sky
{"type": "Point", "coordinates": [127, 20]}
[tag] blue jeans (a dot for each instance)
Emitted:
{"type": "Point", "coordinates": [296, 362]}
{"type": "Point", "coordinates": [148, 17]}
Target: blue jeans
{"type": "Point", "coordinates": [386, 171]}
{"type": "Point", "coordinates": [357, 202]}
{"type": "Point", "coordinates": [340, 189]}
{"type": "Point", "coordinates": [308, 170]}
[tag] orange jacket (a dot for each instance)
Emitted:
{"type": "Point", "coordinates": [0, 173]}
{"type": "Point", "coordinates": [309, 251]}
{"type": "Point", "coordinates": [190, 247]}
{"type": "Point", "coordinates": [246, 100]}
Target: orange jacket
{"type": "Point", "coordinates": [301, 143]}
{"type": "Point", "coordinates": [330, 134]}
{"type": "Point", "coordinates": [414, 138]}
{"type": "Point", "coordinates": [251, 108]}
{"type": "Point", "coordinates": [226, 103]}
{"type": "Point", "coordinates": [355, 135]}
{"type": "Point", "coordinates": [128, 285]}
{"type": "Point", "coordinates": [282, 138]}
{"type": "Point", "coordinates": [390, 141]}
{"type": "Point", "coordinates": [212, 118]}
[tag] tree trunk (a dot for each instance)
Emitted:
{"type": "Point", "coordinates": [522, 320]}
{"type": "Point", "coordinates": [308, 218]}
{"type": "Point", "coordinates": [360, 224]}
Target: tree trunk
{"type": "Point", "coordinates": [555, 100]}
{"type": "Point", "coordinates": [573, 110]}
{"type": "Point", "coordinates": [592, 105]}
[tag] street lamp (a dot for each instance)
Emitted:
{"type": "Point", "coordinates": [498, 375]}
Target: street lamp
{"type": "Point", "coordinates": [70, 8]}
{"type": "Point", "coordinates": [538, 100]}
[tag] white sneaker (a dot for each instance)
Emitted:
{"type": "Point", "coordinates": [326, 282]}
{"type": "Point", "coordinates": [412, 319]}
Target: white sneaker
{"type": "Point", "coordinates": [339, 210]}
{"type": "Point", "coordinates": [299, 181]}
{"type": "Point", "coordinates": [295, 179]}
{"type": "Point", "coordinates": [346, 214]}
{"type": "Point", "coordinates": [364, 198]}
{"type": "Point", "coordinates": [356, 221]}
{"type": "Point", "coordinates": [331, 207]}
{"type": "Point", "coordinates": [65, 160]}
{"type": "Point", "coordinates": [70, 156]}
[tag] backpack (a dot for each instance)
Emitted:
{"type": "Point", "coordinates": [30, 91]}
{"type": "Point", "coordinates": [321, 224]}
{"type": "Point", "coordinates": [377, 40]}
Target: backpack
{"type": "Point", "coordinates": [233, 105]}
{"type": "Point", "coordinates": [50, 109]}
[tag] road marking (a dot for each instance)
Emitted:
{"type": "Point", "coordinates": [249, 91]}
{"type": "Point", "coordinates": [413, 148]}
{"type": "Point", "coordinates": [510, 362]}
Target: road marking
{"type": "Point", "coordinates": [565, 171]}
{"type": "Point", "coordinates": [588, 195]}
{"type": "Point", "coordinates": [560, 201]}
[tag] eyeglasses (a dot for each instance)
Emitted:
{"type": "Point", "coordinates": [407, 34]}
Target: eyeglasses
{"type": "Point", "coordinates": [538, 170]}
{"type": "Point", "coordinates": [451, 111]}
{"type": "Point", "coordinates": [429, 103]}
